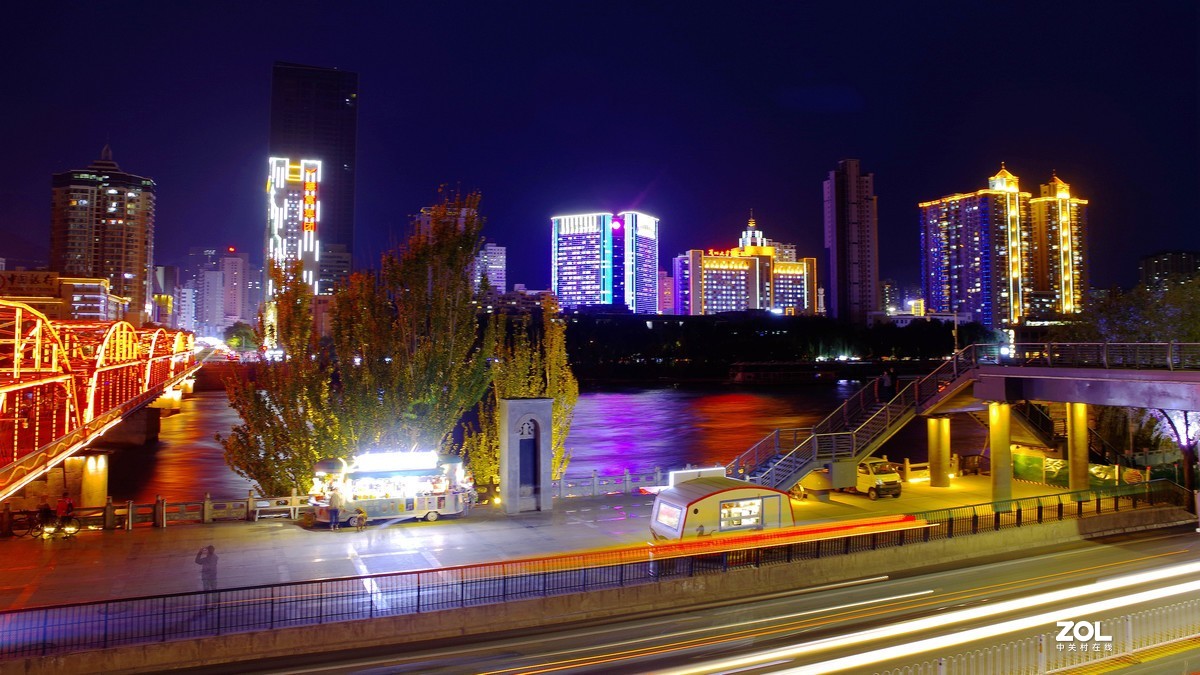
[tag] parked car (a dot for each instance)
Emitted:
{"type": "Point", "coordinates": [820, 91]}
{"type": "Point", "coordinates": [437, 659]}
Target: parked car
{"type": "Point", "coordinates": [877, 478]}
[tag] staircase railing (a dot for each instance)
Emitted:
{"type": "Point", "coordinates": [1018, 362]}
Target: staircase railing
{"type": "Point", "coordinates": [844, 433]}
{"type": "Point", "coordinates": [776, 443]}
{"type": "Point", "coordinates": [1038, 418]}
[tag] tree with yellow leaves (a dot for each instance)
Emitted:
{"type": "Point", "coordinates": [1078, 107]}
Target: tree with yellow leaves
{"type": "Point", "coordinates": [530, 362]}
{"type": "Point", "coordinates": [288, 420]}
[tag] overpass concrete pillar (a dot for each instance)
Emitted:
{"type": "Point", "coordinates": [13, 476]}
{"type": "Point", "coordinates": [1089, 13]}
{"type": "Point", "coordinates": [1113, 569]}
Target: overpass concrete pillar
{"type": "Point", "coordinates": [938, 429]}
{"type": "Point", "coordinates": [1000, 440]}
{"type": "Point", "coordinates": [1077, 446]}
{"type": "Point", "coordinates": [94, 486]}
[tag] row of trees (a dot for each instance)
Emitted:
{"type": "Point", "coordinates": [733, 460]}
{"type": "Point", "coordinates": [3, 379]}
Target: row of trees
{"type": "Point", "coordinates": [411, 364]}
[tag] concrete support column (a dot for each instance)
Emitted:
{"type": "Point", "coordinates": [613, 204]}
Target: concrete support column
{"type": "Point", "coordinates": [1077, 446]}
{"type": "Point", "coordinates": [1000, 440]}
{"type": "Point", "coordinates": [938, 429]}
{"type": "Point", "coordinates": [94, 486]}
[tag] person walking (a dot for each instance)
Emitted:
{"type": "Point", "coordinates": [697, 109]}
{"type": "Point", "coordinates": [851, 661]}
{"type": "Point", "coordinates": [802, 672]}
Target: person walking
{"type": "Point", "coordinates": [336, 502]}
{"type": "Point", "coordinates": [207, 558]}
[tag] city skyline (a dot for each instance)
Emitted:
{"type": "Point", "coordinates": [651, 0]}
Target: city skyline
{"type": "Point", "coordinates": [721, 112]}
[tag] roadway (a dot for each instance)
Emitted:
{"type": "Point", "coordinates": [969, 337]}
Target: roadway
{"type": "Point", "coordinates": [862, 626]}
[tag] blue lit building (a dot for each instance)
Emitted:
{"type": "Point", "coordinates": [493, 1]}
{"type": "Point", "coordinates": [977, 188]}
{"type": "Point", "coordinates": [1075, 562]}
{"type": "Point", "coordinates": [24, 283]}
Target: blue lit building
{"type": "Point", "coordinates": [605, 259]}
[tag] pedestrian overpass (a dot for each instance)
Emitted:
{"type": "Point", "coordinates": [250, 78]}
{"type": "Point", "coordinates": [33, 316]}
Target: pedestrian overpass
{"type": "Point", "coordinates": [64, 383]}
{"type": "Point", "coordinates": [994, 383]}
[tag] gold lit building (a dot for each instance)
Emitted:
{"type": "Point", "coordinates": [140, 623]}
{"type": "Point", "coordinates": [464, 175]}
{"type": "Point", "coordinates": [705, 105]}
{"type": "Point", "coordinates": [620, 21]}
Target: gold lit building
{"type": "Point", "coordinates": [1002, 255]}
{"type": "Point", "coordinates": [748, 276]}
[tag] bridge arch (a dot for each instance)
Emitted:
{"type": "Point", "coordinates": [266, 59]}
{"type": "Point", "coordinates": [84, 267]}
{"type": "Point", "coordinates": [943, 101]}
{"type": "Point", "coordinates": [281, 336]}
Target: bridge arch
{"type": "Point", "coordinates": [38, 395]}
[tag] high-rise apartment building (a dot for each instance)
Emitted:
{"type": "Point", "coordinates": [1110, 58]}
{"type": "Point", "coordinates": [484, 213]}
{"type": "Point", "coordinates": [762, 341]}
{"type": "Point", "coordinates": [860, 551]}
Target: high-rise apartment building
{"type": "Point", "coordinates": [1059, 276]}
{"type": "Point", "coordinates": [102, 225]}
{"type": "Point", "coordinates": [1001, 257]}
{"type": "Point", "coordinates": [666, 293]}
{"type": "Point", "coordinates": [605, 259]}
{"type": "Point", "coordinates": [235, 276]}
{"type": "Point", "coordinates": [749, 276]}
{"type": "Point", "coordinates": [1163, 267]}
{"type": "Point", "coordinates": [294, 215]}
{"type": "Point", "coordinates": [852, 241]}
{"type": "Point", "coordinates": [314, 116]}
{"type": "Point", "coordinates": [493, 262]}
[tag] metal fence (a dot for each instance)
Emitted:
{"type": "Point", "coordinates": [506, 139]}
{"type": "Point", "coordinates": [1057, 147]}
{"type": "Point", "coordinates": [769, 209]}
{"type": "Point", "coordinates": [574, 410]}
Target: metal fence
{"type": "Point", "coordinates": [64, 628]}
{"type": "Point", "coordinates": [1130, 634]}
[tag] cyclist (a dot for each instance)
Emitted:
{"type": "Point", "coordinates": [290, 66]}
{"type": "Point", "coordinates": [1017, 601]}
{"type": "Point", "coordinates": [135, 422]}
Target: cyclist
{"type": "Point", "coordinates": [45, 513]}
{"type": "Point", "coordinates": [65, 507]}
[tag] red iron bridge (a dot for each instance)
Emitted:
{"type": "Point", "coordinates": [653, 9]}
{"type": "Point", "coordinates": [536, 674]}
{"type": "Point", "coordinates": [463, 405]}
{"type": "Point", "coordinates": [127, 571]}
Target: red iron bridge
{"type": "Point", "coordinates": [65, 383]}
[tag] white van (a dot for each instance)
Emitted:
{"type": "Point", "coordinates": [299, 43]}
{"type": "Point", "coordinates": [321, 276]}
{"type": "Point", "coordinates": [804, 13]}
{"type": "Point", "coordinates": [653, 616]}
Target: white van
{"type": "Point", "coordinates": [877, 478]}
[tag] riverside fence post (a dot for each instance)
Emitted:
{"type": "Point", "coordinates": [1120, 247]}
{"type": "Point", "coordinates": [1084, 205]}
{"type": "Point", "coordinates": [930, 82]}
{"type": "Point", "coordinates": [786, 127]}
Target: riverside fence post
{"type": "Point", "coordinates": [110, 514]}
{"type": "Point", "coordinates": [250, 505]}
{"type": "Point", "coordinates": [160, 511]}
{"type": "Point", "coordinates": [206, 508]}
{"type": "Point", "coordinates": [6, 520]}
{"type": "Point", "coordinates": [595, 483]}
{"type": "Point", "coordinates": [129, 515]}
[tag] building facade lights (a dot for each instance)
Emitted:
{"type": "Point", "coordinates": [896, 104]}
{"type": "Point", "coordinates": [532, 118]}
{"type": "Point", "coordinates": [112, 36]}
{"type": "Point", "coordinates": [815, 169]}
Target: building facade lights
{"type": "Point", "coordinates": [605, 259]}
{"type": "Point", "coordinates": [294, 217]}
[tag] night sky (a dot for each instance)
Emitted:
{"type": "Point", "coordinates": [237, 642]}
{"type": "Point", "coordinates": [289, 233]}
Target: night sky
{"type": "Point", "coordinates": [694, 112]}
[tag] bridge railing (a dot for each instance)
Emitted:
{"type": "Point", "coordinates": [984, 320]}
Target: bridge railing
{"type": "Point", "coordinates": [1138, 355]}
{"type": "Point", "coordinates": [96, 625]}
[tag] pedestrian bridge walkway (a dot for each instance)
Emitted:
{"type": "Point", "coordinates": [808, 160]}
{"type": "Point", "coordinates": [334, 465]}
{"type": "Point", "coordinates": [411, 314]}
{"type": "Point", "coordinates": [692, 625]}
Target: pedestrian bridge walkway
{"type": "Point", "coordinates": [65, 383]}
{"type": "Point", "coordinates": [1159, 375]}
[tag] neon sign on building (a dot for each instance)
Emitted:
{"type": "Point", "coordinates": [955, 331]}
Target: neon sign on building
{"type": "Point", "coordinates": [294, 217]}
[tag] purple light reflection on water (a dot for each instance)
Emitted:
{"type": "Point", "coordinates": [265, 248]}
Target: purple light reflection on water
{"type": "Point", "coordinates": [642, 429]}
{"type": "Point", "coordinates": [614, 430]}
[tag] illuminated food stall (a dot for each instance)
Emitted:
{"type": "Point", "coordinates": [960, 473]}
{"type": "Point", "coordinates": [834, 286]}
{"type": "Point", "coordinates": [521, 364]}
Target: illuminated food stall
{"type": "Point", "coordinates": [718, 505]}
{"type": "Point", "coordinates": [391, 485]}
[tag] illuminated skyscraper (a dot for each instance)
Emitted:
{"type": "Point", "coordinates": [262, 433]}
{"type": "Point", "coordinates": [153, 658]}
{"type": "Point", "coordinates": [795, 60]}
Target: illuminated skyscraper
{"type": "Point", "coordinates": [984, 253]}
{"type": "Point", "coordinates": [852, 240]}
{"type": "Point", "coordinates": [602, 259]}
{"type": "Point", "coordinates": [102, 225]}
{"type": "Point", "coordinates": [750, 276]}
{"type": "Point", "coordinates": [1059, 276]}
{"type": "Point", "coordinates": [294, 197]}
{"type": "Point", "coordinates": [314, 115]}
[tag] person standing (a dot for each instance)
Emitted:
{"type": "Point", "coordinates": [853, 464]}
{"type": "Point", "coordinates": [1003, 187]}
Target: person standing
{"type": "Point", "coordinates": [336, 502]}
{"type": "Point", "coordinates": [206, 558]}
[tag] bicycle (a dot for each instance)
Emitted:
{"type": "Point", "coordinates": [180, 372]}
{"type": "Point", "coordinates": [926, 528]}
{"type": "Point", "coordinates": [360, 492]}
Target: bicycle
{"type": "Point", "coordinates": [33, 526]}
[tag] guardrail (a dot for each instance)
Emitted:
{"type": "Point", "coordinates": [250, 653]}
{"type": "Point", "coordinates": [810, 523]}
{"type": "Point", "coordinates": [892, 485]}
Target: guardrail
{"type": "Point", "coordinates": [1125, 635]}
{"type": "Point", "coordinates": [97, 625]}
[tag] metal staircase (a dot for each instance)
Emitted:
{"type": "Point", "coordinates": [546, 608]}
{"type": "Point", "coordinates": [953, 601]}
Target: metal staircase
{"type": "Point", "coordinates": [856, 429]}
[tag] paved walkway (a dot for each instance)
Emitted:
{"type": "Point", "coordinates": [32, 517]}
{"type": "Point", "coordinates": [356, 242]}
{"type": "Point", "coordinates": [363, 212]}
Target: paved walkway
{"type": "Point", "coordinates": [100, 565]}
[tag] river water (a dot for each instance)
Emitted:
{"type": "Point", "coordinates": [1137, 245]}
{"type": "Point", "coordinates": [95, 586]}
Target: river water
{"type": "Point", "coordinates": [613, 430]}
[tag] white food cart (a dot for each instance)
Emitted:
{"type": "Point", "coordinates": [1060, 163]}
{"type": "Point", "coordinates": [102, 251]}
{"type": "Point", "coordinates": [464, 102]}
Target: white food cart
{"type": "Point", "coordinates": [391, 485]}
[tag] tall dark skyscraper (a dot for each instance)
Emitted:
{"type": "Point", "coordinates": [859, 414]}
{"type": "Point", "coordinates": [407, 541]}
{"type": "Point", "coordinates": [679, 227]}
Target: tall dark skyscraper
{"type": "Point", "coordinates": [314, 116]}
{"type": "Point", "coordinates": [852, 240]}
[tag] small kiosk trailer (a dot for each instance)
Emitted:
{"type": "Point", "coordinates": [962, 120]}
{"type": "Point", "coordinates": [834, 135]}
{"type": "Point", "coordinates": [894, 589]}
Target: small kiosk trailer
{"type": "Point", "coordinates": [718, 505]}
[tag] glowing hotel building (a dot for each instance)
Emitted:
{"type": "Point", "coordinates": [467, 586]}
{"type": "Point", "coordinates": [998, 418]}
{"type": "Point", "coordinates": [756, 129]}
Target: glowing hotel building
{"type": "Point", "coordinates": [1003, 256]}
{"type": "Point", "coordinates": [605, 259]}
{"type": "Point", "coordinates": [294, 217]}
{"type": "Point", "coordinates": [754, 275]}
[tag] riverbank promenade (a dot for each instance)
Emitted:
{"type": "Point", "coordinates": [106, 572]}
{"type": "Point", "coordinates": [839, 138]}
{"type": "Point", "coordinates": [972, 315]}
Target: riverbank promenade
{"type": "Point", "coordinates": [102, 565]}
